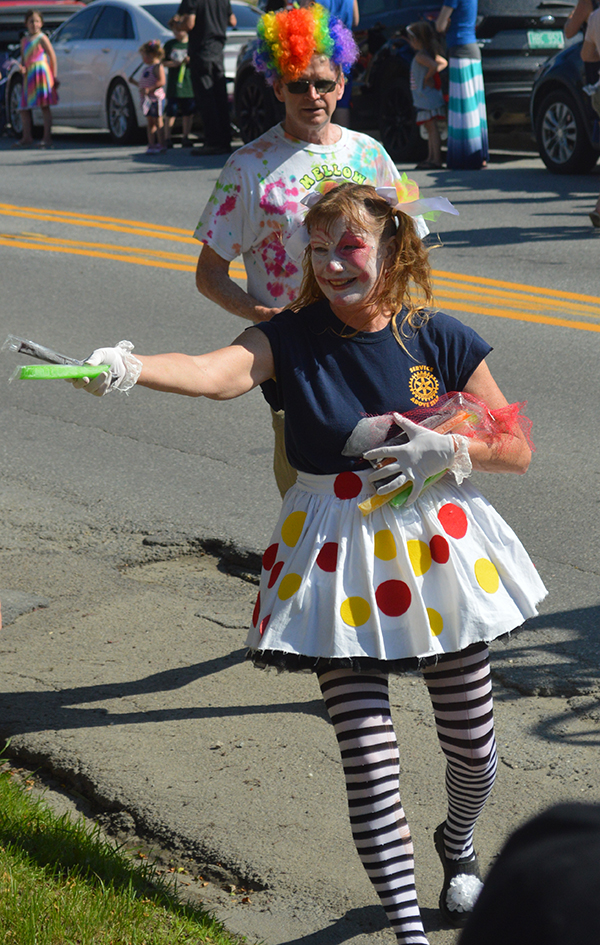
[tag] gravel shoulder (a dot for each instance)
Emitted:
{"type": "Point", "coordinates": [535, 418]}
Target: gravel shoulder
{"type": "Point", "coordinates": [123, 678]}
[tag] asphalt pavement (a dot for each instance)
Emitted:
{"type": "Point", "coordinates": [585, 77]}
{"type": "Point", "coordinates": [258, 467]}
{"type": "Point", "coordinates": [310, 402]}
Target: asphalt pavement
{"type": "Point", "coordinates": [130, 535]}
{"type": "Point", "coordinates": [125, 678]}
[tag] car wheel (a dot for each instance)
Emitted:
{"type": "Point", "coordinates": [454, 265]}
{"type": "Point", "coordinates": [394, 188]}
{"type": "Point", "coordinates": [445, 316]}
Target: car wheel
{"type": "Point", "coordinates": [120, 113]}
{"type": "Point", "coordinates": [562, 137]}
{"type": "Point", "coordinates": [14, 106]}
{"type": "Point", "coordinates": [256, 108]}
{"type": "Point", "coordinates": [396, 120]}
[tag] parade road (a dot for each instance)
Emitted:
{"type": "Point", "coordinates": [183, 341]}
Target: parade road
{"type": "Point", "coordinates": [97, 245]}
{"type": "Point", "coordinates": [131, 683]}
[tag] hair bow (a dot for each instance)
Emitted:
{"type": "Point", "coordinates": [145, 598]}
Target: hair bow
{"type": "Point", "coordinates": [402, 196]}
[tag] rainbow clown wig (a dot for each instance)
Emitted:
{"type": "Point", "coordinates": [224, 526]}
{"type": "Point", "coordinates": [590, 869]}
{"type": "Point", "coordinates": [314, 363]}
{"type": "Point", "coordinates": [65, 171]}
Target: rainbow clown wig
{"type": "Point", "coordinates": [288, 39]}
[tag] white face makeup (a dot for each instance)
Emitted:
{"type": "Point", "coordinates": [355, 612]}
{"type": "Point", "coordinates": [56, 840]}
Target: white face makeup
{"type": "Point", "coordinates": [347, 262]}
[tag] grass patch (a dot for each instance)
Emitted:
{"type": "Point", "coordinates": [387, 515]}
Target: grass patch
{"type": "Point", "coordinates": [62, 883]}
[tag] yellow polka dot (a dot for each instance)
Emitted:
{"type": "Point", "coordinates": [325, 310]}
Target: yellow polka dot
{"type": "Point", "coordinates": [289, 585]}
{"type": "Point", "coordinates": [420, 556]}
{"type": "Point", "coordinates": [487, 576]}
{"type": "Point", "coordinates": [436, 624]}
{"type": "Point", "coordinates": [355, 611]}
{"type": "Point", "coordinates": [385, 546]}
{"type": "Point", "coordinates": [292, 528]}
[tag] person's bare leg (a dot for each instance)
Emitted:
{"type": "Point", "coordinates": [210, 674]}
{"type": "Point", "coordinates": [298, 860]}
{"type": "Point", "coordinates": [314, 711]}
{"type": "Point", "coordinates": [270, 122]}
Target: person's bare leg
{"type": "Point", "coordinates": [47, 116]}
{"type": "Point", "coordinates": [434, 142]}
{"type": "Point", "coordinates": [27, 136]}
{"type": "Point", "coordinates": [186, 122]}
{"type": "Point", "coordinates": [151, 131]}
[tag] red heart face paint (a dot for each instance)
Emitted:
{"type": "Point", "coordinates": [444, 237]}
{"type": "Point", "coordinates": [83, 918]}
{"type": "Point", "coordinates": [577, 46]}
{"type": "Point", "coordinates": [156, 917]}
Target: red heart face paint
{"type": "Point", "coordinates": [347, 262]}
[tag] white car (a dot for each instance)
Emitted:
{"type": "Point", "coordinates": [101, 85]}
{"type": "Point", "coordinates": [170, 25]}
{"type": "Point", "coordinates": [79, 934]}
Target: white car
{"type": "Point", "coordinates": [98, 50]}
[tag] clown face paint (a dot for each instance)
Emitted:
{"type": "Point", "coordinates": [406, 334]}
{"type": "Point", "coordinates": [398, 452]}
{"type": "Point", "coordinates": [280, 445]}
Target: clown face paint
{"type": "Point", "coordinates": [348, 263]}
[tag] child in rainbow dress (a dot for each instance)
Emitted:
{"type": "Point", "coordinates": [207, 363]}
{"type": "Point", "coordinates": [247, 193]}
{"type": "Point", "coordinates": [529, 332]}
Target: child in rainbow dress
{"type": "Point", "coordinates": [39, 68]}
{"type": "Point", "coordinates": [355, 596]}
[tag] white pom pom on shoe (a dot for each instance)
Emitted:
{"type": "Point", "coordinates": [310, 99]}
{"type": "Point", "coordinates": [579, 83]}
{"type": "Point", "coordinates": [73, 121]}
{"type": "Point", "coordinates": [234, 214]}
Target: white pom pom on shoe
{"type": "Point", "coordinates": [463, 892]}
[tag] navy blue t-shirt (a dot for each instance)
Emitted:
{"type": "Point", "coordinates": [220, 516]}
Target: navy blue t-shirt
{"type": "Point", "coordinates": [326, 382]}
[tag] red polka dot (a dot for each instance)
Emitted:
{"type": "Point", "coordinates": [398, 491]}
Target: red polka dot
{"type": "Point", "coordinates": [440, 549]}
{"type": "Point", "coordinates": [268, 559]}
{"type": "Point", "coordinates": [393, 598]}
{"type": "Point", "coordinates": [327, 557]}
{"type": "Point", "coordinates": [256, 610]}
{"type": "Point", "coordinates": [263, 624]}
{"type": "Point", "coordinates": [275, 573]}
{"type": "Point", "coordinates": [347, 485]}
{"type": "Point", "coordinates": [453, 520]}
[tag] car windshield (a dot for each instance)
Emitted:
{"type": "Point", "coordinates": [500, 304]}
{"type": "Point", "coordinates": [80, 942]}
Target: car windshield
{"type": "Point", "coordinates": [373, 7]}
{"type": "Point", "coordinates": [162, 12]}
{"type": "Point", "coordinates": [512, 7]}
{"type": "Point", "coordinates": [77, 26]}
{"type": "Point", "coordinates": [484, 7]}
{"type": "Point", "coordinates": [247, 17]}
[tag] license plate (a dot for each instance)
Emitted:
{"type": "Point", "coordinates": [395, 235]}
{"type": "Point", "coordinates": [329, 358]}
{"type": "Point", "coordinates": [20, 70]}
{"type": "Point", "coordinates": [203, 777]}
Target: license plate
{"type": "Point", "coordinates": [545, 39]}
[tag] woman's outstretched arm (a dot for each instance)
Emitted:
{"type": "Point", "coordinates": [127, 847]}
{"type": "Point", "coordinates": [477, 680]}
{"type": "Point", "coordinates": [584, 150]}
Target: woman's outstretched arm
{"type": "Point", "coordinates": [220, 375]}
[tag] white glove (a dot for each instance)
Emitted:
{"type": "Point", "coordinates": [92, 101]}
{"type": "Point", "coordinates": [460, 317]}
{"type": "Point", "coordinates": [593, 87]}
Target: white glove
{"type": "Point", "coordinates": [125, 369]}
{"type": "Point", "coordinates": [426, 454]}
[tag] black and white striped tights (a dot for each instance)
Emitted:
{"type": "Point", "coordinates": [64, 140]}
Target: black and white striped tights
{"type": "Point", "coordinates": [358, 705]}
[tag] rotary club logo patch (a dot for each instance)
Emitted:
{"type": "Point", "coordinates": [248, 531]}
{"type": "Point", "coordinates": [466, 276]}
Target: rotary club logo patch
{"type": "Point", "coordinates": [423, 386]}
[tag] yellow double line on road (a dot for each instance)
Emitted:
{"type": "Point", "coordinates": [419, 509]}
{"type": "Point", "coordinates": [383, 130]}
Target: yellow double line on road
{"type": "Point", "coordinates": [528, 303]}
{"type": "Point", "coordinates": [134, 227]}
{"type": "Point", "coordinates": [160, 259]}
{"type": "Point", "coordinates": [453, 292]}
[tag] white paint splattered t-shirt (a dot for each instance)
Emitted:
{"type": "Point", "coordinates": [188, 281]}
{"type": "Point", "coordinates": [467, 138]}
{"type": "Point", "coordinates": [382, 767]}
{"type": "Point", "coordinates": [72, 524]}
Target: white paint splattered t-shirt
{"type": "Point", "coordinates": [256, 201]}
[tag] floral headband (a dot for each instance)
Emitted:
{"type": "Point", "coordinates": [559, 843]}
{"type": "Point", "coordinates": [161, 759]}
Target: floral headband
{"type": "Point", "coordinates": [403, 197]}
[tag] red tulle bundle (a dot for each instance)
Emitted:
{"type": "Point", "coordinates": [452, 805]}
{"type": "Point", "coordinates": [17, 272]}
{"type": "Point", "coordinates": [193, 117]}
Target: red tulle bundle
{"type": "Point", "coordinates": [453, 413]}
{"type": "Point", "coordinates": [508, 419]}
{"type": "Point", "coordinates": [483, 423]}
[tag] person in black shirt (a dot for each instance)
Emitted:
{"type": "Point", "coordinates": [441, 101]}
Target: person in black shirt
{"type": "Point", "coordinates": [206, 24]}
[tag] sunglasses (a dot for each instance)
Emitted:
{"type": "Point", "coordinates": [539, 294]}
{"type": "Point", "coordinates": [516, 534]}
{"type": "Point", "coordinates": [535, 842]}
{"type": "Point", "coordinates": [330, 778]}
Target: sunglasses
{"type": "Point", "coordinates": [321, 86]}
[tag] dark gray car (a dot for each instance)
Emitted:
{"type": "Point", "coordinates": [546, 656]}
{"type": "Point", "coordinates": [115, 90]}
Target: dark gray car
{"type": "Point", "coordinates": [565, 124]}
{"type": "Point", "coordinates": [516, 38]}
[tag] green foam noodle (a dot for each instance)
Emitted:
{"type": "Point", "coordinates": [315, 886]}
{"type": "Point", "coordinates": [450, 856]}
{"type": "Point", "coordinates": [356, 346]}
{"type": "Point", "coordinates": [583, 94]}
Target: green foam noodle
{"type": "Point", "coordinates": [400, 497]}
{"type": "Point", "coordinates": [68, 372]}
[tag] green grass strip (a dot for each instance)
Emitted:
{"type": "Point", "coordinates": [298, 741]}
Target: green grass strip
{"type": "Point", "coordinates": [61, 883]}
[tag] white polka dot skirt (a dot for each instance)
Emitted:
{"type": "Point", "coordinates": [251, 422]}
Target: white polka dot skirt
{"type": "Point", "coordinates": [399, 583]}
